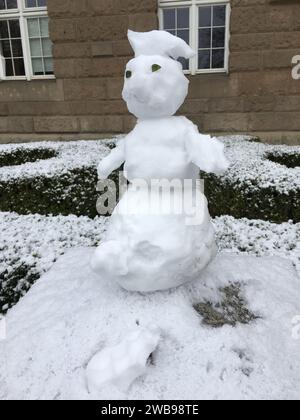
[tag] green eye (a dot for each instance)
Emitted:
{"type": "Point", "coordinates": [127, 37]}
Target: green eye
{"type": "Point", "coordinates": [156, 67]}
{"type": "Point", "coordinates": [128, 74]}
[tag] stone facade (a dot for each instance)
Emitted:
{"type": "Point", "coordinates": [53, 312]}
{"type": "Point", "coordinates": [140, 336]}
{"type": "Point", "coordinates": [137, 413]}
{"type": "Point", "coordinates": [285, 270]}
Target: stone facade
{"type": "Point", "coordinates": [258, 95]}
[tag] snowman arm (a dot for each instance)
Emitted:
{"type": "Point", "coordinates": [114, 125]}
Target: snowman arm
{"type": "Point", "coordinates": [113, 161]}
{"type": "Point", "coordinates": [205, 151]}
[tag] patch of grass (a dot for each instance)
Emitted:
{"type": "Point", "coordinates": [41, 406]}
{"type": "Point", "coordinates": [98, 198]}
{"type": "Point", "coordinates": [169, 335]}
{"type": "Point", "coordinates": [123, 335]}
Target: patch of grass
{"type": "Point", "coordinates": [232, 310]}
{"type": "Point", "coordinates": [15, 284]}
{"type": "Point", "coordinates": [21, 156]}
{"type": "Point", "coordinates": [290, 160]}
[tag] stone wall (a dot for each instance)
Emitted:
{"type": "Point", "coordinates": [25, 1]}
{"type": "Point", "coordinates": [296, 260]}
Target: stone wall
{"type": "Point", "coordinates": [90, 51]}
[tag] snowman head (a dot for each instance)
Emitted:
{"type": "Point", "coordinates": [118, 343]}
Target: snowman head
{"type": "Point", "coordinates": [155, 85]}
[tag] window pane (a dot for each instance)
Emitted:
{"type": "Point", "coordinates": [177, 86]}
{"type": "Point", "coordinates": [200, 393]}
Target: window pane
{"type": "Point", "coordinates": [204, 59]}
{"type": "Point", "coordinates": [183, 18]}
{"type": "Point", "coordinates": [33, 28]}
{"type": "Point", "coordinates": [11, 48]}
{"type": "Point", "coordinates": [185, 35]}
{"type": "Point", "coordinates": [204, 16]}
{"type": "Point", "coordinates": [35, 48]}
{"type": "Point", "coordinates": [171, 32]}
{"type": "Point", "coordinates": [8, 4]}
{"type": "Point", "coordinates": [47, 47]}
{"type": "Point", "coordinates": [40, 46]}
{"type": "Point", "coordinates": [219, 15]}
{"type": "Point", "coordinates": [185, 63]}
{"type": "Point", "coordinates": [14, 27]}
{"type": "Point", "coordinates": [37, 66]}
{"type": "Point", "coordinates": [218, 59]}
{"type": "Point", "coordinates": [4, 29]}
{"type": "Point", "coordinates": [218, 37]}
{"type": "Point", "coordinates": [17, 49]}
{"type": "Point", "coordinates": [6, 50]}
{"type": "Point", "coordinates": [12, 4]}
{"type": "Point", "coordinates": [44, 22]}
{"type": "Point", "coordinates": [31, 3]}
{"type": "Point", "coordinates": [19, 67]}
{"type": "Point", "coordinates": [204, 38]}
{"type": "Point", "coordinates": [36, 3]}
{"type": "Point", "coordinates": [9, 71]}
{"type": "Point", "coordinates": [169, 19]}
{"type": "Point", "coordinates": [49, 66]}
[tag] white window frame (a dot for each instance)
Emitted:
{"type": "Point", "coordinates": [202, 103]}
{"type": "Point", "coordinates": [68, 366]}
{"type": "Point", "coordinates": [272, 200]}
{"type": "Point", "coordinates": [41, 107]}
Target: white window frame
{"type": "Point", "coordinates": [194, 27]}
{"type": "Point", "coordinates": [22, 14]}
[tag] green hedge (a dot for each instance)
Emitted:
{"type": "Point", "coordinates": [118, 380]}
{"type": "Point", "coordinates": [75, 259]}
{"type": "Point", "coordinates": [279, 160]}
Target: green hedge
{"type": "Point", "coordinates": [75, 193]}
{"type": "Point", "coordinates": [230, 198]}
{"type": "Point", "coordinates": [71, 193]}
{"type": "Point", "coordinates": [290, 160]}
{"type": "Point", "coordinates": [15, 284]}
{"type": "Point", "coordinates": [21, 156]}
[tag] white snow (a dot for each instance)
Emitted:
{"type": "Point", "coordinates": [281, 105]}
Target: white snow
{"type": "Point", "coordinates": [38, 241]}
{"type": "Point", "coordinates": [155, 85]}
{"type": "Point", "coordinates": [122, 364]}
{"type": "Point", "coordinates": [260, 238]}
{"type": "Point", "coordinates": [75, 154]}
{"type": "Point", "coordinates": [248, 161]}
{"type": "Point", "coordinates": [70, 315]}
{"type": "Point", "coordinates": [161, 43]}
{"type": "Point", "coordinates": [159, 250]}
{"type": "Point", "coordinates": [251, 167]}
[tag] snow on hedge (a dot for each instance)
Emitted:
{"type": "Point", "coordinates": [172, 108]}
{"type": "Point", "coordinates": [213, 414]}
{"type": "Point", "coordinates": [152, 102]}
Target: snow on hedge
{"type": "Point", "coordinates": [70, 155]}
{"type": "Point", "coordinates": [250, 165]}
{"type": "Point", "coordinates": [39, 240]}
{"type": "Point", "coordinates": [260, 238]}
{"type": "Point", "coordinates": [249, 161]}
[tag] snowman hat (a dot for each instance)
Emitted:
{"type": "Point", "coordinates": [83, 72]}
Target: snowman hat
{"type": "Point", "coordinates": [159, 43]}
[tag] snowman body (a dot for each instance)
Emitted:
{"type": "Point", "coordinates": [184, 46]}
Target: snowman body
{"type": "Point", "coordinates": [160, 235]}
{"type": "Point", "coordinates": [155, 149]}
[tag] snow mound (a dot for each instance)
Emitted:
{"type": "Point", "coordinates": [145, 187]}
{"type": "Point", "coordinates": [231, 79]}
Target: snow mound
{"type": "Point", "coordinates": [122, 364]}
{"type": "Point", "coordinates": [70, 315]}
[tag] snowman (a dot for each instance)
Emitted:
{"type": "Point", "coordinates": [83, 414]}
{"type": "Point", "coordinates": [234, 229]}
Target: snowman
{"type": "Point", "coordinates": [149, 244]}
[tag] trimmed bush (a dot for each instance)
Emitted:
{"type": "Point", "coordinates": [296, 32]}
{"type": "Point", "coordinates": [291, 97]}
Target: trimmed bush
{"type": "Point", "coordinates": [74, 192]}
{"type": "Point", "coordinates": [254, 187]}
{"type": "Point", "coordinates": [290, 160]}
{"type": "Point", "coordinates": [239, 200]}
{"type": "Point", "coordinates": [15, 284]}
{"type": "Point", "coordinates": [20, 156]}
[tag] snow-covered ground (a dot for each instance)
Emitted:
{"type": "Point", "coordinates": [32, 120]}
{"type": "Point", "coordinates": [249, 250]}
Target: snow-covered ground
{"type": "Point", "coordinates": [37, 241]}
{"type": "Point", "coordinates": [71, 314]}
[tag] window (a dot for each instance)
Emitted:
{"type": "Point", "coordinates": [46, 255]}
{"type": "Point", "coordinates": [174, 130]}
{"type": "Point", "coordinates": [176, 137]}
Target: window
{"type": "Point", "coordinates": [204, 24]}
{"type": "Point", "coordinates": [25, 46]}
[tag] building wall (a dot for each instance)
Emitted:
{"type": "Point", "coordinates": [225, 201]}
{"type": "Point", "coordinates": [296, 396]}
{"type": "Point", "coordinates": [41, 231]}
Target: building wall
{"type": "Point", "coordinates": [90, 52]}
